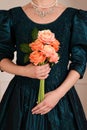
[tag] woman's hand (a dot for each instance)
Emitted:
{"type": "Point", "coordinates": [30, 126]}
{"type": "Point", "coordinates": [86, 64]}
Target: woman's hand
{"type": "Point", "coordinates": [30, 70]}
{"type": "Point", "coordinates": [53, 97]}
{"type": "Point", "coordinates": [49, 102]}
{"type": "Point", "coordinates": [38, 72]}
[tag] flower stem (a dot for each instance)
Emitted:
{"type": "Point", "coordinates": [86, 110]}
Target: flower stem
{"type": "Point", "coordinates": [41, 91]}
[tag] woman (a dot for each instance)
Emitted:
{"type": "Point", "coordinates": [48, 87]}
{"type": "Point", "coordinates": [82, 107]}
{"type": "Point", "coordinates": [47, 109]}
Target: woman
{"type": "Point", "coordinates": [61, 107]}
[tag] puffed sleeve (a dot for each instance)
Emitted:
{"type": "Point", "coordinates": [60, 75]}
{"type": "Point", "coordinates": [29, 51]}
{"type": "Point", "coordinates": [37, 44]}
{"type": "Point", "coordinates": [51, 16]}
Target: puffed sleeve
{"type": "Point", "coordinates": [7, 45]}
{"type": "Point", "coordinates": [78, 49]}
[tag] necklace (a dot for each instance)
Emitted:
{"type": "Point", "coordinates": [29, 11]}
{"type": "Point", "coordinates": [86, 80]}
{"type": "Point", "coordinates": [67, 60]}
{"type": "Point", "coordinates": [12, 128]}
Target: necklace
{"type": "Point", "coordinates": [43, 11]}
{"type": "Point", "coordinates": [48, 6]}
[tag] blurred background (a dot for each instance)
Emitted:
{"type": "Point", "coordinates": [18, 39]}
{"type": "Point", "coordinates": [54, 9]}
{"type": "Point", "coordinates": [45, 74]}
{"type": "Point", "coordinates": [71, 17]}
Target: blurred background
{"type": "Point", "coordinates": [81, 86]}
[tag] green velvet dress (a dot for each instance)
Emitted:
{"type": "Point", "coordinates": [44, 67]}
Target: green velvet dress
{"type": "Point", "coordinates": [21, 94]}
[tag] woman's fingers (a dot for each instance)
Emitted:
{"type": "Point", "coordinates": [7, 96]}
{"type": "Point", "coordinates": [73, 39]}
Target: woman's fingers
{"type": "Point", "coordinates": [43, 76]}
{"type": "Point", "coordinates": [39, 72]}
{"type": "Point", "coordinates": [38, 106]}
{"type": "Point", "coordinates": [42, 72]}
{"type": "Point", "coordinates": [38, 111]}
{"type": "Point", "coordinates": [41, 108]}
{"type": "Point", "coordinates": [46, 111]}
{"type": "Point", "coordinates": [43, 68]}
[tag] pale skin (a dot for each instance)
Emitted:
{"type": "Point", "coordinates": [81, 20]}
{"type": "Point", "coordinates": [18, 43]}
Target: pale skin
{"type": "Point", "coordinates": [42, 72]}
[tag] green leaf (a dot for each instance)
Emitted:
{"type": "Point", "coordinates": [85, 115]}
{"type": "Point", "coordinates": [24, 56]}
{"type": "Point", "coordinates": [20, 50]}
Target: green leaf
{"type": "Point", "coordinates": [26, 58]}
{"type": "Point", "coordinates": [34, 34]}
{"type": "Point", "coordinates": [25, 48]}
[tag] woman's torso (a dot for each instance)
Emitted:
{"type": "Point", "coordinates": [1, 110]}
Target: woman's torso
{"type": "Point", "coordinates": [23, 27]}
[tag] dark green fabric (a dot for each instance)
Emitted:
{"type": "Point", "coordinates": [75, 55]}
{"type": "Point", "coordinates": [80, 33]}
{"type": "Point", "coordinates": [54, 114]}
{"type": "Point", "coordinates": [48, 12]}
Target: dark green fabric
{"type": "Point", "coordinates": [21, 95]}
{"type": "Point", "coordinates": [7, 45]}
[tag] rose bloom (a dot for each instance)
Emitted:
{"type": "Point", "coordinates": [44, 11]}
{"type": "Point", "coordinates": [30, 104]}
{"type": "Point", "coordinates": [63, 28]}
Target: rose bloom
{"type": "Point", "coordinates": [54, 58]}
{"type": "Point", "coordinates": [46, 36]}
{"type": "Point", "coordinates": [37, 45]}
{"type": "Point", "coordinates": [48, 50]}
{"type": "Point", "coordinates": [37, 57]}
{"type": "Point", "coordinates": [55, 44]}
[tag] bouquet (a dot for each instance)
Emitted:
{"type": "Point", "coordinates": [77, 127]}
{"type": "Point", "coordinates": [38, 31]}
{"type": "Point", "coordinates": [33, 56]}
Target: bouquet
{"type": "Point", "coordinates": [44, 49]}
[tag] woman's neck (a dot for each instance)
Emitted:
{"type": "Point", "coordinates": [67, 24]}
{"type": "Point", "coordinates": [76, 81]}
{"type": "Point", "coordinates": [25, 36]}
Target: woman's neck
{"type": "Point", "coordinates": [44, 3]}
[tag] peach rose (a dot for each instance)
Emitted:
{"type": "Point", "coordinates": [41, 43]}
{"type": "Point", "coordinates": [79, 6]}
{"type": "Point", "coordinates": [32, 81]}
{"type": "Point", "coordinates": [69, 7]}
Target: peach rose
{"type": "Point", "coordinates": [48, 50]}
{"type": "Point", "coordinates": [54, 58]}
{"type": "Point", "coordinates": [36, 45]}
{"type": "Point", "coordinates": [55, 44]}
{"type": "Point", "coordinates": [46, 36]}
{"type": "Point", "coordinates": [37, 57]}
